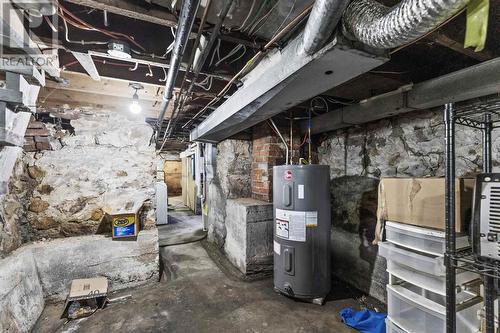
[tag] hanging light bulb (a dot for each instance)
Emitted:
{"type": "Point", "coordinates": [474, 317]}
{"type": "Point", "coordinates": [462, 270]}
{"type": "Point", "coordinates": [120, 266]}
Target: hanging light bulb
{"type": "Point", "coordinates": [135, 107]}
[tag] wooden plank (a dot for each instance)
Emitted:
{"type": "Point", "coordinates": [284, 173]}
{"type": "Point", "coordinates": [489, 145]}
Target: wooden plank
{"type": "Point", "coordinates": [80, 82]}
{"type": "Point", "coordinates": [76, 99]}
{"type": "Point", "coordinates": [130, 9]}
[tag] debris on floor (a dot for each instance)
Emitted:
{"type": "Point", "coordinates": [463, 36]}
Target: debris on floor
{"type": "Point", "coordinates": [365, 321]}
{"type": "Point", "coordinates": [86, 296]}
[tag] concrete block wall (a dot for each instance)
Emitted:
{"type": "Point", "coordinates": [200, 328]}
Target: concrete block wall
{"type": "Point", "coordinates": [249, 239]}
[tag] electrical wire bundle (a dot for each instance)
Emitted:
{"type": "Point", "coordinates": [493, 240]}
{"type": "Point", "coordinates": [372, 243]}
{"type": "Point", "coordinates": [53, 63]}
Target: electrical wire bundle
{"type": "Point", "coordinates": [73, 20]}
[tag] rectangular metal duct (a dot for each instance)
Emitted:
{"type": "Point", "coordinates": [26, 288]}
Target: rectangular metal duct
{"type": "Point", "coordinates": [476, 81]}
{"type": "Point", "coordinates": [282, 80]}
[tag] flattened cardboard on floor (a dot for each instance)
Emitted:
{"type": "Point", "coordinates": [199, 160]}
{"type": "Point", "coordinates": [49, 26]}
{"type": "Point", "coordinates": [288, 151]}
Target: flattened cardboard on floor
{"type": "Point", "coordinates": [421, 201]}
{"type": "Point", "coordinates": [87, 289]}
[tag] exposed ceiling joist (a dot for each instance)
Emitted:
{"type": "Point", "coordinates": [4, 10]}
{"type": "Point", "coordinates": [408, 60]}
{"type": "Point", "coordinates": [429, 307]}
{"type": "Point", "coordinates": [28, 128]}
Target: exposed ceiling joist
{"type": "Point", "coordinates": [79, 100]}
{"type": "Point", "coordinates": [452, 44]}
{"type": "Point", "coordinates": [132, 10]}
{"type": "Point", "coordinates": [79, 82]}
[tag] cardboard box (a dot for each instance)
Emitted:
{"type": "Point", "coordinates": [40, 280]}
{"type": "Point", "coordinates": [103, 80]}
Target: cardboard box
{"type": "Point", "coordinates": [421, 201]}
{"type": "Point", "coordinates": [88, 295]}
{"type": "Point", "coordinates": [124, 225]}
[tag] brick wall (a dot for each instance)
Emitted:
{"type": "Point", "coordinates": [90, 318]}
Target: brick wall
{"type": "Point", "coordinates": [268, 151]}
{"type": "Point", "coordinates": [36, 137]}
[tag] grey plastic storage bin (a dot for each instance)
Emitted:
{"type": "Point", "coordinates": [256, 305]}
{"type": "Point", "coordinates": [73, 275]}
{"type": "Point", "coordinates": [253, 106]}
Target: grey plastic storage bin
{"type": "Point", "coordinates": [415, 313]}
{"type": "Point", "coordinates": [436, 284]}
{"type": "Point", "coordinates": [417, 261]}
{"type": "Point", "coordinates": [390, 327]}
{"type": "Point", "coordinates": [420, 239]}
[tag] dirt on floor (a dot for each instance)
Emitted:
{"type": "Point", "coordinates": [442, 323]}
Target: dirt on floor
{"type": "Point", "coordinates": [195, 295]}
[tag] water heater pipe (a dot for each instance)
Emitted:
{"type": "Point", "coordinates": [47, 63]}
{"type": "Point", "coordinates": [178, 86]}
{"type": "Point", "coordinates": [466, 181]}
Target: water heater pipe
{"type": "Point", "coordinates": [273, 125]}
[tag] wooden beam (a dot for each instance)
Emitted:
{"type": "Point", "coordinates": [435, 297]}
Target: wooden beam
{"type": "Point", "coordinates": [129, 9]}
{"type": "Point", "coordinates": [114, 87]}
{"type": "Point", "coordinates": [54, 98]}
{"type": "Point", "coordinates": [79, 100]}
{"type": "Point", "coordinates": [443, 40]}
{"type": "Point", "coordinates": [79, 82]}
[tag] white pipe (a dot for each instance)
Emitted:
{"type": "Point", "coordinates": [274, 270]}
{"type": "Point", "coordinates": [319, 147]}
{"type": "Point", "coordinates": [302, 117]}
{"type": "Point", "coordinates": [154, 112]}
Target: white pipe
{"type": "Point", "coordinates": [282, 139]}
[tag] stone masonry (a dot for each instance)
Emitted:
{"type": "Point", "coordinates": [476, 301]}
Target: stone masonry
{"type": "Point", "coordinates": [105, 166]}
{"type": "Point", "coordinates": [411, 145]}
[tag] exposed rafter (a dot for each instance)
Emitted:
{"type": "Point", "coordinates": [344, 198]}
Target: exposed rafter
{"type": "Point", "coordinates": [132, 10]}
{"type": "Point", "coordinates": [443, 40]}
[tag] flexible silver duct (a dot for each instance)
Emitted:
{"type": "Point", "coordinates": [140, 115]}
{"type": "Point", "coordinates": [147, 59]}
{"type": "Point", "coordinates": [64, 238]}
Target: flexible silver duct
{"type": "Point", "coordinates": [379, 26]}
{"type": "Point", "coordinates": [322, 21]}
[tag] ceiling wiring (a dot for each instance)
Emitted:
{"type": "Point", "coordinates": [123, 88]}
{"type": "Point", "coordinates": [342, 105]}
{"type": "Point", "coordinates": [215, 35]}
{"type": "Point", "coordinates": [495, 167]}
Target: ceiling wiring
{"type": "Point", "coordinates": [240, 56]}
{"type": "Point", "coordinates": [215, 52]}
{"type": "Point", "coordinates": [263, 19]}
{"type": "Point", "coordinates": [251, 62]}
{"type": "Point", "coordinates": [248, 16]}
{"type": "Point", "coordinates": [322, 99]}
{"type": "Point", "coordinates": [231, 53]}
{"type": "Point", "coordinates": [81, 42]}
{"type": "Point", "coordinates": [50, 24]}
{"type": "Point", "coordinates": [165, 76]}
{"type": "Point", "coordinates": [135, 67]}
{"type": "Point", "coordinates": [286, 18]}
{"type": "Point", "coordinates": [257, 15]}
{"type": "Point", "coordinates": [79, 23]}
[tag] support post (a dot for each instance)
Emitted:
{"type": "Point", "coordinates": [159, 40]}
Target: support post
{"type": "Point", "coordinates": [489, 282]}
{"type": "Point", "coordinates": [449, 121]}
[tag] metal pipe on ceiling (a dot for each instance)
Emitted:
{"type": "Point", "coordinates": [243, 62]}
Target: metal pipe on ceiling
{"type": "Point", "coordinates": [203, 57]}
{"type": "Point", "coordinates": [254, 60]}
{"type": "Point", "coordinates": [322, 21]}
{"type": "Point", "coordinates": [186, 20]}
{"type": "Point", "coordinates": [192, 58]}
{"type": "Point", "coordinates": [378, 26]}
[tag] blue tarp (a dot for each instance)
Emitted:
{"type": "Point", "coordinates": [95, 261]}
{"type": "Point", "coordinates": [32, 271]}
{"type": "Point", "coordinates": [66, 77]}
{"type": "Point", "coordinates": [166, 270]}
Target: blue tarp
{"type": "Point", "coordinates": [365, 321]}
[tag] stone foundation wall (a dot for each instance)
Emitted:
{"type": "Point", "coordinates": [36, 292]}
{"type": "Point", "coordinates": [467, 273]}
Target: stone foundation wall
{"type": "Point", "coordinates": [106, 166]}
{"type": "Point", "coordinates": [231, 181]}
{"type": "Point", "coordinates": [408, 146]}
{"type": "Point", "coordinates": [14, 227]}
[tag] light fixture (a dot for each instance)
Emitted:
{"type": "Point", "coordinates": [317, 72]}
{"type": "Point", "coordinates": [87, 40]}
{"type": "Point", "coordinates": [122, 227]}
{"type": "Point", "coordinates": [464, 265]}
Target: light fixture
{"type": "Point", "coordinates": [119, 49]}
{"type": "Point", "coordinates": [37, 8]}
{"type": "Point", "coordinates": [135, 107]}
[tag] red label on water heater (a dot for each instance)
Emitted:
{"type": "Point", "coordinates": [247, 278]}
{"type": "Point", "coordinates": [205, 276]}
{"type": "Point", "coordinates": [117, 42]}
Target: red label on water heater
{"type": "Point", "coordinates": [288, 174]}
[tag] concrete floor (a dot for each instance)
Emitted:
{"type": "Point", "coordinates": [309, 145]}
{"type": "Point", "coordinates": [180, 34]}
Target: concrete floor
{"type": "Point", "coordinates": [196, 296]}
